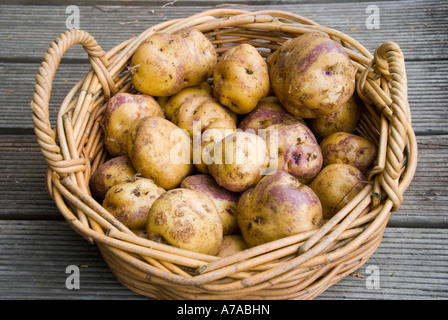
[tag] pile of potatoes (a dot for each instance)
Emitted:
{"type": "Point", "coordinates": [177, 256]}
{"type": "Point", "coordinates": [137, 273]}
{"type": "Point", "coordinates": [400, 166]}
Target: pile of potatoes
{"type": "Point", "coordinates": [219, 153]}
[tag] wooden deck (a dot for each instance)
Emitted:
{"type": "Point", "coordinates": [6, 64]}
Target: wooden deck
{"type": "Point", "coordinates": [37, 245]}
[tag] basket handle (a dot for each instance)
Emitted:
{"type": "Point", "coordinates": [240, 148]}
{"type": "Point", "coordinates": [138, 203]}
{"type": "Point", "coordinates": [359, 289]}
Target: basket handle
{"type": "Point", "coordinates": [46, 136]}
{"type": "Point", "coordinates": [388, 92]}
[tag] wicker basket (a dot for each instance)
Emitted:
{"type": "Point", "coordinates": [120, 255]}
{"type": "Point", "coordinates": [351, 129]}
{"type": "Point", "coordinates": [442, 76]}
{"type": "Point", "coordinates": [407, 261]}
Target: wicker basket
{"type": "Point", "coordinates": [297, 267]}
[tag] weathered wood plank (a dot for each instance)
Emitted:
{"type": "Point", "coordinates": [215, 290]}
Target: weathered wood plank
{"type": "Point", "coordinates": [411, 264]}
{"type": "Point", "coordinates": [419, 27]}
{"type": "Point", "coordinates": [34, 258]}
{"type": "Point", "coordinates": [427, 84]}
{"type": "Point", "coordinates": [34, 255]}
{"type": "Point", "coordinates": [174, 3]}
{"type": "Point", "coordinates": [17, 91]}
{"type": "Point", "coordinates": [425, 200]}
{"type": "Point", "coordinates": [23, 194]}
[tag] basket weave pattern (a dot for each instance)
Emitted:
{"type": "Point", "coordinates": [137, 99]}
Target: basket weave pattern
{"type": "Point", "coordinates": [297, 267]}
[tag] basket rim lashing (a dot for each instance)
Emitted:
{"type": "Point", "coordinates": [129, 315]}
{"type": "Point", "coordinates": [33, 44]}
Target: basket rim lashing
{"type": "Point", "coordinates": [301, 266]}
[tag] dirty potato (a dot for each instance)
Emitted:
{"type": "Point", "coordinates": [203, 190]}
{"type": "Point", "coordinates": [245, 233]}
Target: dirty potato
{"type": "Point", "coordinates": [348, 148]}
{"type": "Point", "coordinates": [203, 149]}
{"type": "Point", "coordinates": [186, 219]}
{"type": "Point", "coordinates": [312, 75]}
{"type": "Point", "coordinates": [239, 161]}
{"type": "Point", "coordinates": [268, 112]}
{"type": "Point", "coordinates": [170, 104]}
{"type": "Point", "coordinates": [241, 79]}
{"type": "Point", "coordinates": [336, 185]}
{"type": "Point", "coordinates": [166, 63]}
{"type": "Point", "coordinates": [297, 150]}
{"type": "Point", "coordinates": [122, 110]}
{"type": "Point", "coordinates": [206, 121]}
{"type": "Point", "coordinates": [112, 172]}
{"type": "Point", "coordinates": [130, 202]}
{"type": "Point", "coordinates": [204, 113]}
{"type": "Point", "coordinates": [344, 119]}
{"type": "Point", "coordinates": [224, 200]}
{"type": "Point", "coordinates": [278, 206]}
{"type": "Point", "coordinates": [161, 151]}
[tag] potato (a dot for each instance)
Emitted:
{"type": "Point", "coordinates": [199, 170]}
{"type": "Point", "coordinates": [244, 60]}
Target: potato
{"type": "Point", "coordinates": [161, 151]}
{"type": "Point", "coordinates": [239, 161]}
{"type": "Point", "coordinates": [348, 148]}
{"type": "Point", "coordinates": [312, 75]}
{"type": "Point", "coordinates": [224, 200]}
{"type": "Point", "coordinates": [268, 112]}
{"type": "Point", "coordinates": [166, 63]}
{"type": "Point", "coordinates": [112, 172]}
{"type": "Point", "coordinates": [336, 185]}
{"type": "Point", "coordinates": [199, 116]}
{"type": "Point", "coordinates": [278, 206]}
{"type": "Point", "coordinates": [130, 202]}
{"type": "Point", "coordinates": [298, 151]}
{"type": "Point", "coordinates": [241, 78]}
{"type": "Point", "coordinates": [172, 103]}
{"type": "Point", "coordinates": [231, 244]}
{"type": "Point", "coordinates": [202, 156]}
{"type": "Point", "coordinates": [205, 112]}
{"type": "Point", "coordinates": [122, 110]}
{"type": "Point", "coordinates": [186, 219]}
{"type": "Point", "coordinates": [344, 119]}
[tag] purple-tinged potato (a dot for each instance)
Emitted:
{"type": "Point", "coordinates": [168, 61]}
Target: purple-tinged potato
{"type": "Point", "coordinates": [278, 206]}
{"type": "Point", "coordinates": [240, 161]}
{"type": "Point", "coordinates": [336, 185]}
{"type": "Point", "coordinates": [186, 219]}
{"type": "Point", "coordinates": [312, 75]}
{"type": "Point", "coordinates": [344, 119]}
{"type": "Point", "coordinates": [268, 112]}
{"type": "Point", "coordinates": [298, 151]}
{"type": "Point", "coordinates": [348, 148]}
{"type": "Point", "coordinates": [130, 202]}
{"type": "Point", "coordinates": [231, 244]}
{"type": "Point", "coordinates": [225, 200]}
{"type": "Point", "coordinates": [112, 172]}
{"type": "Point", "coordinates": [122, 110]}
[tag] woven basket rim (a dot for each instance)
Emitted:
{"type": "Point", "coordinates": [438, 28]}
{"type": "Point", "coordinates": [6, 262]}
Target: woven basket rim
{"type": "Point", "coordinates": [297, 267]}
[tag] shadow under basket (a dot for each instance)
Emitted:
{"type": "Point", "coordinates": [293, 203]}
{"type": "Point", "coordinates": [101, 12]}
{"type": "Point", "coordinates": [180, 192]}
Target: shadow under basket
{"type": "Point", "coordinates": [301, 266]}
